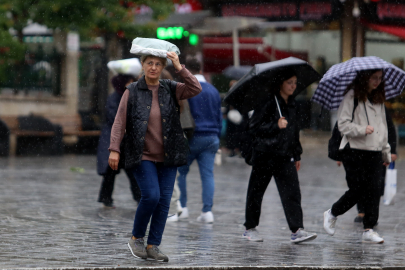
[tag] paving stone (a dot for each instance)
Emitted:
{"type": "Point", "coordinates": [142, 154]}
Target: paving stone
{"type": "Point", "coordinates": [50, 218]}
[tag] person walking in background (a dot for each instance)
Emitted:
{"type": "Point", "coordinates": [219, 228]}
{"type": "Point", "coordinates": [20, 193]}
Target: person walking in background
{"type": "Point", "coordinates": [276, 152]}
{"type": "Point", "coordinates": [154, 146]}
{"type": "Point", "coordinates": [365, 148]}
{"type": "Point", "coordinates": [206, 111]}
{"type": "Point", "coordinates": [119, 82]}
{"type": "Point", "coordinates": [392, 140]}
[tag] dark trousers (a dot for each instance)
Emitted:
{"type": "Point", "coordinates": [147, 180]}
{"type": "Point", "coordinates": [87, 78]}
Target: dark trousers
{"type": "Point", "coordinates": [107, 186]}
{"type": "Point", "coordinates": [286, 177]}
{"type": "Point", "coordinates": [156, 182]}
{"type": "Point", "coordinates": [360, 205]}
{"type": "Point", "coordinates": [363, 172]}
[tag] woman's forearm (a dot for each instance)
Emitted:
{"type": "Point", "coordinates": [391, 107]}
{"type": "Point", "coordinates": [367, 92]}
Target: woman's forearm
{"type": "Point", "coordinates": [190, 88]}
{"type": "Point", "coordinates": [120, 122]}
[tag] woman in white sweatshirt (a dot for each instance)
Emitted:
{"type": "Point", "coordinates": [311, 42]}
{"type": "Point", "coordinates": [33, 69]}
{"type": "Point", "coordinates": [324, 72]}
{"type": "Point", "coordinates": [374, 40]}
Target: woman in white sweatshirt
{"type": "Point", "coordinates": [362, 123]}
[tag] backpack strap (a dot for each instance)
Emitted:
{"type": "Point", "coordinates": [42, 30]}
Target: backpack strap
{"type": "Point", "coordinates": [356, 103]}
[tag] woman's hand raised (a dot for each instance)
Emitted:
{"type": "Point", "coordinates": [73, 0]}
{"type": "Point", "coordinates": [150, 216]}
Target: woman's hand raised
{"type": "Point", "coordinates": [175, 60]}
{"type": "Point", "coordinates": [282, 123]}
{"type": "Point", "coordinates": [113, 160]}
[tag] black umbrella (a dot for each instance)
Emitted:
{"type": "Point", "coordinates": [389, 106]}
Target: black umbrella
{"type": "Point", "coordinates": [251, 90]}
{"type": "Point", "coordinates": [236, 72]}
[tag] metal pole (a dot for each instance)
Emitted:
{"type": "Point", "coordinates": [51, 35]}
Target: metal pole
{"type": "Point", "coordinates": [235, 42]}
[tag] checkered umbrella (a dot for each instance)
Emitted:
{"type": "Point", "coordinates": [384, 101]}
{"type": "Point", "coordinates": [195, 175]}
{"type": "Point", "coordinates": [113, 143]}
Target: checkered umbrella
{"type": "Point", "coordinates": [331, 88]}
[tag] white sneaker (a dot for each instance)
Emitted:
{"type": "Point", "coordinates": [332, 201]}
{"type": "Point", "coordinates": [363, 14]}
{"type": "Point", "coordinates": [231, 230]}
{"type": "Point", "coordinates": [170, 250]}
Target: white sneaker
{"type": "Point", "coordinates": [252, 235]}
{"type": "Point", "coordinates": [173, 218]}
{"type": "Point", "coordinates": [179, 208]}
{"type": "Point", "coordinates": [206, 217]}
{"type": "Point", "coordinates": [302, 236]}
{"type": "Point", "coordinates": [371, 236]}
{"type": "Point", "coordinates": [184, 213]}
{"type": "Point", "coordinates": [329, 222]}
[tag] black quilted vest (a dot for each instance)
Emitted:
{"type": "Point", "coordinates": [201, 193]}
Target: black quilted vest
{"type": "Point", "coordinates": [138, 109]}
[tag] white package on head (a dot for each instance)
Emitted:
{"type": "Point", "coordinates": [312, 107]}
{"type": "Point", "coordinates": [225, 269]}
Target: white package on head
{"type": "Point", "coordinates": [130, 66]}
{"type": "Point", "coordinates": [153, 46]}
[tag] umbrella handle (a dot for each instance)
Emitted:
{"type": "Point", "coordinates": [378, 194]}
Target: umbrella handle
{"type": "Point", "coordinates": [278, 106]}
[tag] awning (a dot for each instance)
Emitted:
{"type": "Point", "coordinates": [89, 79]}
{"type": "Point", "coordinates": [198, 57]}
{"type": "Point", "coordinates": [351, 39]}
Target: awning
{"type": "Point", "coordinates": [224, 25]}
{"type": "Point", "coordinates": [185, 20]}
{"type": "Point", "coordinates": [218, 53]}
{"type": "Point", "coordinates": [398, 31]}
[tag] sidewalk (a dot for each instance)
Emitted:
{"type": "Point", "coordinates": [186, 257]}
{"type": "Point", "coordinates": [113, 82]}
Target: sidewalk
{"type": "Point", "coordinates": [49, 218]}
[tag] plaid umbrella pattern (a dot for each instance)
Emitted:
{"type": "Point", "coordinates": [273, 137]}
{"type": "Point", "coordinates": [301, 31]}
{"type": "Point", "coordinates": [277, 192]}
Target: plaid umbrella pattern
{"type": "Point", "coordinates": [331, 88]}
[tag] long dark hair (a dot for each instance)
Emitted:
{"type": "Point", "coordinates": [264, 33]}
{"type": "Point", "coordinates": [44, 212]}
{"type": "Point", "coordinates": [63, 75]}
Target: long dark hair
{"type": "Point", "coordinates": [360, 87]}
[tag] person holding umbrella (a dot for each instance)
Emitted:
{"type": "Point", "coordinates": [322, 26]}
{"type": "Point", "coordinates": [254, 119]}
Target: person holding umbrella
{"type": "Point", "coordinates": [155, 144]}
{"type": "Point", "coordinates": [365, 147]}
{"type": "Point", "coordinates": [359, 87]}
{"type": "Point", "coordinates": [276, 152]}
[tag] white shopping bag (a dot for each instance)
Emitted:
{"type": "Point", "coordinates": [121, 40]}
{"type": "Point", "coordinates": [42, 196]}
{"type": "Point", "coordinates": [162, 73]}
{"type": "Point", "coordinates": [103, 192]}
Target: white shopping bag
{"type": "Point", "coordinates": [390, 185]}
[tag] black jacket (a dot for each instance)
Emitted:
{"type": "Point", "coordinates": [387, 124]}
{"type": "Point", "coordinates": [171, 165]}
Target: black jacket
{"type": "Point", "coordinates": [392, 133]}
{"type": "Point", "coordinates": [269, 140]}
{"type": "Point", "coordinates": [139, 104]}
{"type": "Point", "coordinates": [103, 153]}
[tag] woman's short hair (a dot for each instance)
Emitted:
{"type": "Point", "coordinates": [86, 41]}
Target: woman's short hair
{"type": "Point", "coordinates": [164, 60]}
{"type": "Point", "coordinates": [360, 87]}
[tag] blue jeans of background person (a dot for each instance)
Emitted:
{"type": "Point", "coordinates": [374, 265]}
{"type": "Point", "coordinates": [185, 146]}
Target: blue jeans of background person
{"type": "Point", "coordinates": [203, 149]}
{"type": "Point", "coordinates": [156, 182]}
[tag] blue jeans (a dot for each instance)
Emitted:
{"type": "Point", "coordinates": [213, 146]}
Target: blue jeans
{"type": "Point", "coordinates": [203, 149]}
{"type": "Point", "coordinates": [156, 182]}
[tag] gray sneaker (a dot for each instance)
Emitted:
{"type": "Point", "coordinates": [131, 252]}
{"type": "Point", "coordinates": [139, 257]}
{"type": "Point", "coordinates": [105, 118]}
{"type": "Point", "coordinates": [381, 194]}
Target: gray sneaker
{"type": "Point", "coordinates": [252, 235]}
{"type": "Point", "coordinates": [302, 236]}
{"type": "Point", "coordinates": [137, 248]}
{"type": "Point", "coordinates": [155, 254]}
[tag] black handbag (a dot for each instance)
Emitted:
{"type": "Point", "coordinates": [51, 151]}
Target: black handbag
{"type": "Point", "coordinates": [334, 142]}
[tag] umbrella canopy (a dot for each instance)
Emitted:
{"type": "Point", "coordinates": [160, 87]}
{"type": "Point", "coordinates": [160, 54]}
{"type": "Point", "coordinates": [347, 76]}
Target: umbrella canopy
{"type": "Point", "coordinates": [331, 88]}
{"type": "Point", "coordinates": [236, 72]}
{"type": "Point", "coordinates": [253, 88]}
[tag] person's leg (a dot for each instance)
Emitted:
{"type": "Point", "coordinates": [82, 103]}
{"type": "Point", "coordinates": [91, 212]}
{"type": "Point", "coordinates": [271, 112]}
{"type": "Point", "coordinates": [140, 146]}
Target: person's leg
{"type": "Point", "coordinates": [372, 183]}
{"type": "Point", "coordinates": [107, 187]}
{"type": "Point", "coordinates": [136, 191]}
{"type": "Point", "coordinates": [206, 165]}
{"type": "Point", "coordinates": [258, 182]}
{"type": "Point", "coordinates": [174, 199]}
{"type": "Point", "coordinates": [353, 162]}
{"type": "Point", "coordinates": [166, 178]}
{"type": "Point", "coordinates": [146, 175]}
{"type": "Point", "coordinates": [288, 186]}
{"type": "Point", "coordinates": [183, 171]}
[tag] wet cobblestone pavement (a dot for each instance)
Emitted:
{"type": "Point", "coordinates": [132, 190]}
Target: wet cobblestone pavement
{"type": "Point", "coordinates": [49, 218]}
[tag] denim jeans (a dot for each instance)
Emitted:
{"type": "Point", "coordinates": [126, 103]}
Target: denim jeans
{"type": "Point", "coordinates": [156, 182]}
{"type": "Point", "coordinates": [202, 149]}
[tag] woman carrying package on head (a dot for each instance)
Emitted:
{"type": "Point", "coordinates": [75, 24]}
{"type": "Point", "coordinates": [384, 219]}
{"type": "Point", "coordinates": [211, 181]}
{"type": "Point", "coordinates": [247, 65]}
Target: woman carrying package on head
{"type": "Point", "coordinates": [154, 146]}
{"type": "Point", "coordinates": [126, 71]}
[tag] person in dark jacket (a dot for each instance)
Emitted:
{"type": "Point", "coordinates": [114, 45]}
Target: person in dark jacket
{"type": "Point", "coordinates": [119, 82]}
{"type": "Point", "coordinates": [392, 140]}
{"type": "Point", "coordinates": [154, 147]}
{"type": "Point", "coordinates": [276, 152]}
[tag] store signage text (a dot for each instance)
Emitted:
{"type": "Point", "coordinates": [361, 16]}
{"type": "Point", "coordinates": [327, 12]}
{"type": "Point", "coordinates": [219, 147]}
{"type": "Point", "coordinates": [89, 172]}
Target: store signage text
{"type": "Point", "coordinates": [176, 33]}
{"type": "Point", "coordinates": [390, 11]}
{"type": "Point", "coordinates": [275, 11]}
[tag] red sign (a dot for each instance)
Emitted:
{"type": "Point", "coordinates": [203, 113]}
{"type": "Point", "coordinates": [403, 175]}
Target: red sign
{"type": "Point", "coordinates": [218, 53]}
{"type": "Point", "coordinates": [261, 10]}
{"type": "Point", "coordinates": [315, 10]}
{"type": "Point", "coordinates": [390, 11]}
